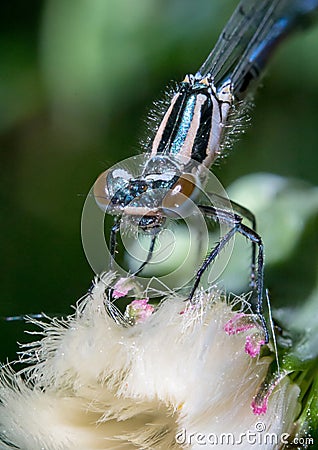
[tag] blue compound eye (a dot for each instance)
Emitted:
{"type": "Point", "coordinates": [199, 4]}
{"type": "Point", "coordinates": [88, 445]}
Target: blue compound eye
{"type": "Point", "coordinates": [179, 199]}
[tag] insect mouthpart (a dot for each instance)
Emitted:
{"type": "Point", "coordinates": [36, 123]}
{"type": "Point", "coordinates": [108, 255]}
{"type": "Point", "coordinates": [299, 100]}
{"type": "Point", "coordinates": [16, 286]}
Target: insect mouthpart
{"type": "Point", "coordinates": [151, 224]}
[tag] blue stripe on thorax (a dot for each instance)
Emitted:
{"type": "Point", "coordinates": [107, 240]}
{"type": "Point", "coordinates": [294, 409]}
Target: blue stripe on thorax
{"type": "Point", "coordinates": [184, 125]}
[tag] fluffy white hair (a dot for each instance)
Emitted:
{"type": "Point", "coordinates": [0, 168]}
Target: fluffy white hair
{"type": "Point", "coordinates": [91, 383]}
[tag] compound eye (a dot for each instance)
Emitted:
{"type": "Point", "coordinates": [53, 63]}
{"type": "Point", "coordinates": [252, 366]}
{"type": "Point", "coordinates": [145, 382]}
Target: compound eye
{"type": "Point", "coordinates": [179, 196]}
{"type": "Point", "coordinates": [100, 191]}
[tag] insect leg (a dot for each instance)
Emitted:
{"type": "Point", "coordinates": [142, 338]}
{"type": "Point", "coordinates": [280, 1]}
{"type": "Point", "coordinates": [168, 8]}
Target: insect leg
{"type": "Point", "coordinates": [254, 237]}
{"type": "Point", "coordinates": [247, 214]}
{"type": "Point", "coordinates": [113, 240]}
{"type": "Point", "coordinates": [149, 256]}
{"type": "Point", "coordinates": [210, 258]}
{"type": "Point", "coordinates": [235, 220]}
{"type": "Point", "coordinates": [112, 248]}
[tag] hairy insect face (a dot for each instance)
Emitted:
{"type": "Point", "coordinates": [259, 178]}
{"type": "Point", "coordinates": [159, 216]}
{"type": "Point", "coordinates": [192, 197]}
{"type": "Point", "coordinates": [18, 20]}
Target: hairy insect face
{"type": "Point", "coordinates": [161, 190]}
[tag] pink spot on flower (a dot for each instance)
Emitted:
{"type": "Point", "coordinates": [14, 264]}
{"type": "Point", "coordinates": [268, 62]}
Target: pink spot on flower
{"type": "Point", "coordinates": [253, 345]}
{"type": "Point", "coordinates": [244, 322]}
{"type": "Point", "coordinates": [260, 408]}
{"type": "Point", "coordinates": [139, 310]}
{"type": "Point", "coordinates": [240, 322]}
{"type": "Point", "coordinates": [122, 287]}
{"type": "Point", "coordinates": [259, 404]}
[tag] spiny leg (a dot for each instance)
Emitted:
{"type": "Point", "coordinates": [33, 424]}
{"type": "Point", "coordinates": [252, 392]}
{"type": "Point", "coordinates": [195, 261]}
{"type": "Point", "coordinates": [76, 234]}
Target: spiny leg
{"type": "Point", "coordinates": [149, 255]}
{"type": "Point", "coordinates": [247, 214]}
{"type": "Point", "coordinates": [210, 258]}
{"type": "Point", "coordinates": [113, 240]}
{"type": "Point", "coordinates": [111, 309]}
{"type": "Point", "coordinates": [112, 248]}
{"type": "Point", "coordinates": [234, 219]}
{"type": "Point", "coordinates": [254, 237]}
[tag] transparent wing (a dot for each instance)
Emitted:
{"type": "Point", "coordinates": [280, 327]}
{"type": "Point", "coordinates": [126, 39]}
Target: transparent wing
{"type": "Point", "coordinates": [235, 38]}
{"type": "Point", "coordinates": [249, 39]}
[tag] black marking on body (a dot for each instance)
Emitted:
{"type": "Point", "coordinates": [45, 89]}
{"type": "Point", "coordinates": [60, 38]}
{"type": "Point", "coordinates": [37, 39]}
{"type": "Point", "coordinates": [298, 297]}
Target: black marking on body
{"type": "Point", "coordinates": [173, 121]}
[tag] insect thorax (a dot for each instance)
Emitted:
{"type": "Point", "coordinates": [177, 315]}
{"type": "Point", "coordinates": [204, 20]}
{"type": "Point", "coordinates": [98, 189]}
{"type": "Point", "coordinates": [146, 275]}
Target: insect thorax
{"type": "Point", "coordinates": [193, 123]}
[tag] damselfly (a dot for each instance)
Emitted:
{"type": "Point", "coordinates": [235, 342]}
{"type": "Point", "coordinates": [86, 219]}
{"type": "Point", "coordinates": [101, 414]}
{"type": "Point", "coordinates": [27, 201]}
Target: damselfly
{"type": "Point", "coordinates": [192, 133]}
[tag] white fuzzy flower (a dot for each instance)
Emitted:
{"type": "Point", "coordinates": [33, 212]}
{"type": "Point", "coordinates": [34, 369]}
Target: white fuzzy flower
{"type": "Point", "coordinates": [175, 380]}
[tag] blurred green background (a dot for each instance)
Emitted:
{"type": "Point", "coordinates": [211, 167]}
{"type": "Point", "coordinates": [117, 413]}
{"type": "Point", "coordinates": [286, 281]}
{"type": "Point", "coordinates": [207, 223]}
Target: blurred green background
{"type": "Point", "coordinates": [77, 78]}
